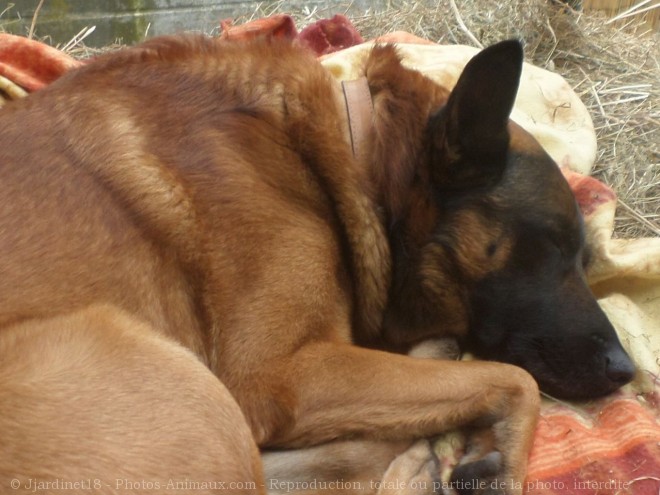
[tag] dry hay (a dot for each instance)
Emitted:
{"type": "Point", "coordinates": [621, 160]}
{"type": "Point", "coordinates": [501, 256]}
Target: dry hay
{"type": "Point", "coordinates": [614, 68]}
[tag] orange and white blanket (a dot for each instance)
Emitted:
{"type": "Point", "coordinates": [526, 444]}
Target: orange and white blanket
{"type": "Point", "coordinates": [609, 446]}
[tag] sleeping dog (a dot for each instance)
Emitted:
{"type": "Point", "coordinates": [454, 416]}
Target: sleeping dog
{"type": "Point", "coordinates": [204, 254]}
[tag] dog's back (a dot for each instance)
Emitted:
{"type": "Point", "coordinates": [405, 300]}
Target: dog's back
{"type": "Point", "coordinates": [108, 201]}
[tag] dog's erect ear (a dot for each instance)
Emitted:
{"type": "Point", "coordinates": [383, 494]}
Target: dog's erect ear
{"type": "Point", "coordinates": [469, 134]}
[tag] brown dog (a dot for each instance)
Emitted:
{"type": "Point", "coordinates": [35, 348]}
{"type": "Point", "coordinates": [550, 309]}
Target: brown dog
{"type": "Point", "coordinates": [189, 205]}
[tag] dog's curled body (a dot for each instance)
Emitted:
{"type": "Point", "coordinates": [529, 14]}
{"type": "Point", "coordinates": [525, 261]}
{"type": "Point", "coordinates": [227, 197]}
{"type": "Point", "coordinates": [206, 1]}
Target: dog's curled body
{"type": "Point", "coordinates": [208, 192]}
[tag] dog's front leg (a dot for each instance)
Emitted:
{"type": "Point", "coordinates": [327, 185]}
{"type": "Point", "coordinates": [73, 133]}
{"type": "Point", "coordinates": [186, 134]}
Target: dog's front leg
{"type": "Point", "coordinates": [344, 391]}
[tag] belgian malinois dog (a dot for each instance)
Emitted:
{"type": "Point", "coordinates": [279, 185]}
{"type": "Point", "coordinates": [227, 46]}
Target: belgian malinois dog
{"type": "Point", "coordinates": [202, 255]}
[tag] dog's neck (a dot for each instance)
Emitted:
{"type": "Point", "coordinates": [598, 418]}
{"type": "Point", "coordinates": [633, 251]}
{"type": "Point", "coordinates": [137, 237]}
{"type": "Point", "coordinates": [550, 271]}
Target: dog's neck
{"type": "Point", "coordinates": [359, 109]}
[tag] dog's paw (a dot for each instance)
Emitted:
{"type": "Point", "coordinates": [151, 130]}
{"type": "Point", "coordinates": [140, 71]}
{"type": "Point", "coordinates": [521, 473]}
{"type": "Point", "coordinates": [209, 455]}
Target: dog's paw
{"type": "Point", "coordinates": [444, 349]}
{"type": "Point", "coordinates": [415, 472]}
{"type": "Point", "coordinates": [480, 477]}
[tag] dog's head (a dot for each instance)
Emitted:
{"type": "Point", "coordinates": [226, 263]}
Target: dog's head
{"type": "Point", "coordinates": [490, 245]}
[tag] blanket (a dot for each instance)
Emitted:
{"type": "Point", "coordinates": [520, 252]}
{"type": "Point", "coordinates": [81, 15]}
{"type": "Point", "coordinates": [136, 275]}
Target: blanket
{"type": "Point", "coordinates": [30, 65]}
{"type": "Point", "coordinates": [606, 446]}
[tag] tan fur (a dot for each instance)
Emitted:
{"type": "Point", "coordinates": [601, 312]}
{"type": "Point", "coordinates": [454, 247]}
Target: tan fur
{"type": "Point", "coordinates": [204, 194]}
{"type": "Point", "coordinates": [100, 398]}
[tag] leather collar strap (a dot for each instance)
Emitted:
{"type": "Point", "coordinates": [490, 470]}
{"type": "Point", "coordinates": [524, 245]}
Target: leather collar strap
{"type": "Point", "coordinates": [360, 111]}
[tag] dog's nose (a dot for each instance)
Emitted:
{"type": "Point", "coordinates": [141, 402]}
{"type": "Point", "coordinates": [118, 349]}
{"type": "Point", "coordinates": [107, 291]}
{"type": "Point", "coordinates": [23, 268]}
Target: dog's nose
{"type": "Point", "coordinates": [618, 367]}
